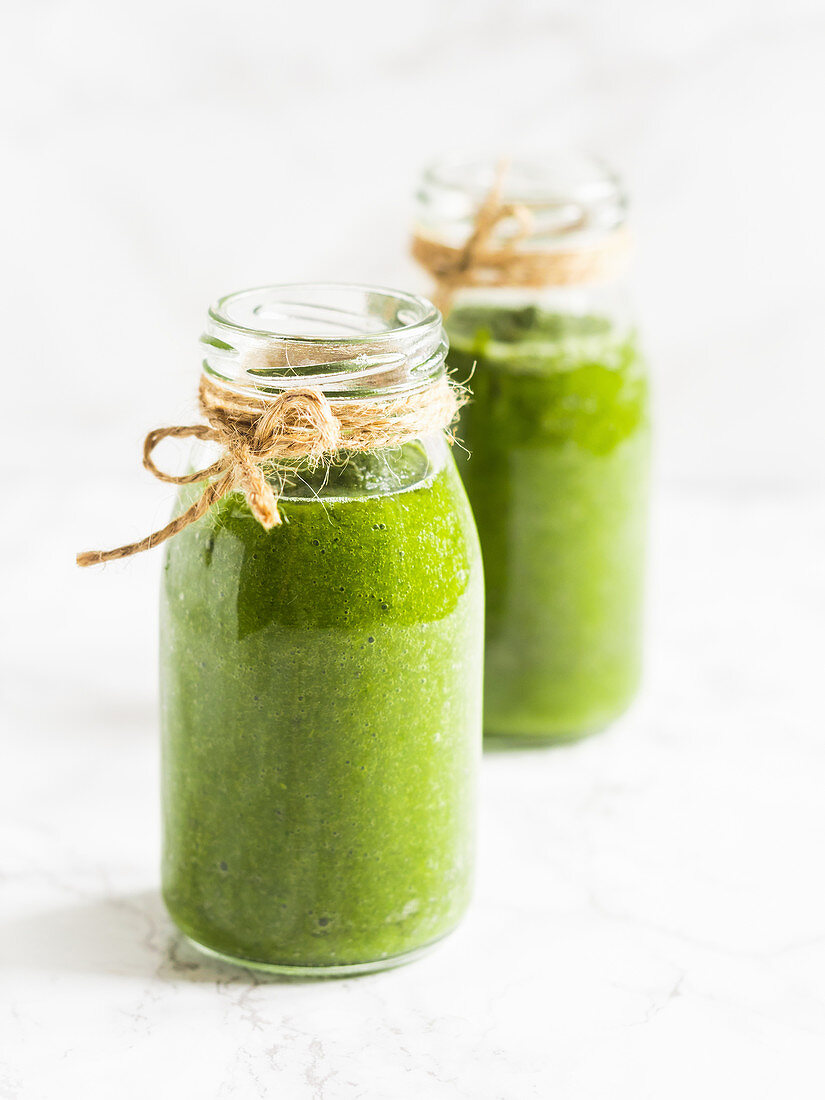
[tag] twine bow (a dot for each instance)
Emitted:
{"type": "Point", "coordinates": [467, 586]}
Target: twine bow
{"type": "Point", "coordinates": [256, 430]}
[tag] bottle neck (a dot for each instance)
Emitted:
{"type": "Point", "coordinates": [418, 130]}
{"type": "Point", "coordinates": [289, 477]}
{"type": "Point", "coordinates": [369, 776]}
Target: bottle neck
{"type": "Point", "coordinates": [611, 301]}
{"type": "Point", "coordinates": [482, 226]}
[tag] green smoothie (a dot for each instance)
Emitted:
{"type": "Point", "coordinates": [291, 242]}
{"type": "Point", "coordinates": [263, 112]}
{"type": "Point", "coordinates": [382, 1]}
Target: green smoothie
{"type": "Point", "coordinates": [558, 440]}
{"type": "Point", "coordinates": [321, 713]}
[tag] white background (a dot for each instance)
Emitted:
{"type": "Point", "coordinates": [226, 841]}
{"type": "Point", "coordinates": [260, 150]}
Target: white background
{"type": "Point", "coordinates": [650, 915]}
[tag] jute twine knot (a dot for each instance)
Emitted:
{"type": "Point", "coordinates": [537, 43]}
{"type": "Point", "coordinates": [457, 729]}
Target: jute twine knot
{"type": "Point", "coordinates": [477, 263]}
{"type": "Point", "coordinates": [260, 429]}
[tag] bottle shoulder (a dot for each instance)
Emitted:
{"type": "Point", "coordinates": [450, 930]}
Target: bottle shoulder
{"type": "Point", "coordinates": [402, 555]}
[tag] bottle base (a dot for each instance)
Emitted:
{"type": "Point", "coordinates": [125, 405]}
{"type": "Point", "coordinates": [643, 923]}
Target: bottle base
{"type": "Point", "coordinates": [495, 741]}
{"type": "Point", "coordinates": [344, 970]}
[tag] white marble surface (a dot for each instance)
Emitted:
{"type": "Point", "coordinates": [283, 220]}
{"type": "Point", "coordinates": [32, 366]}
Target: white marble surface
{"type": "Point", "coordinates": [649, 918]}
{"type": "Point", "coordinates": [650, 912]}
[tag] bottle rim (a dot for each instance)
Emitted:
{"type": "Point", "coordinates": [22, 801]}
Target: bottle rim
{"type": "Point", "coordinates": [344, 338]}
{"type": "Point", "coordinates": [572, 198]}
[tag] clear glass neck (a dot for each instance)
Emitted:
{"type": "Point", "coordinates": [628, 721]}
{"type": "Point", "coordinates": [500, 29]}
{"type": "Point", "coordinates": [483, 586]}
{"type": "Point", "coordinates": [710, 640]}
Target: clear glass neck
{"type": "Point", "coordinates": [572, 200]}
{"type": "Point", "coordinates": [350, 341]}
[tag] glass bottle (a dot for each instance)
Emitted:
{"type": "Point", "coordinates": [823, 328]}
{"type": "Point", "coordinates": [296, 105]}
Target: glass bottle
{"type": "Point", "coordinates": [321, 681]}
{"type": "Point", "coordinates": [556, 437]}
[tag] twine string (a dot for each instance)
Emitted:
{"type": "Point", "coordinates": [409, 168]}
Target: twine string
{"type": "Point", "coordinates": [261, 429]}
